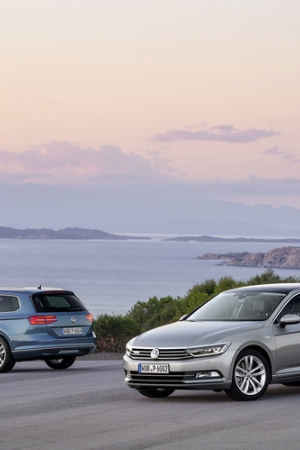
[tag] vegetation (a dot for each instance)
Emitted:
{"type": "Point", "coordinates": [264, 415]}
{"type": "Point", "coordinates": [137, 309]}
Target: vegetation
{"type": "Point", "coordinates": [114, 331]}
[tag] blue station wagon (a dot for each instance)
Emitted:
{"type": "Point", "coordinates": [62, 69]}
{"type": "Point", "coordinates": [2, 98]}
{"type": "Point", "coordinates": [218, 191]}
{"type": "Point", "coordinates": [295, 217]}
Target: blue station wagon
{"type": "Point", "coordinates": [43, 323]}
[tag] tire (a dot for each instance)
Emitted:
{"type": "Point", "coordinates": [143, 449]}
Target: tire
{"type": "Point", "coordinates": [7, 361]}
{"type": "Point", "coordinates": [61, 363]}
{"type": "Point", "coordinates": [251, 376]}
{"type": "Point", "coordinates": [156, 392]}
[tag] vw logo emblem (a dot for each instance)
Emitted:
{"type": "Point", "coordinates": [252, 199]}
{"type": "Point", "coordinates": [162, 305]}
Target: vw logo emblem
{"type": "Point", "coordinates": [154, 353]}
{"type": "Point", "coordinates": [73, 320]}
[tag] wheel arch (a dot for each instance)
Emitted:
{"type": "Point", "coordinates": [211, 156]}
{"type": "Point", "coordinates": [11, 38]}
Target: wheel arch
{"type": "Point", "coordinates": [260, 350]}
{"type": "Point", "coordinates": [4, 336]}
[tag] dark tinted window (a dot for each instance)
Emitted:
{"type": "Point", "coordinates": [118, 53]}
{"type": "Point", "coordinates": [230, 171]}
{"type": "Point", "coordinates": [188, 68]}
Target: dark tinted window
{"type": "Point", "coordinates": [55, 302]}
{"type": "Point", "coordinates": [8, 303]}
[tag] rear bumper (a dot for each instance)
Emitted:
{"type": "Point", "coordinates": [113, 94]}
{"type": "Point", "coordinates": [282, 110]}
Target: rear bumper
{"type": "Point", "coordinates": [44, 351]}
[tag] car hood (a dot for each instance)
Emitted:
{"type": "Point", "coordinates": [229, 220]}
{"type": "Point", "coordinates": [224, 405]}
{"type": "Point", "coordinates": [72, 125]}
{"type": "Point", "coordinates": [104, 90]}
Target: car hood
{"type": "Point", "coordinates": [186, 333]}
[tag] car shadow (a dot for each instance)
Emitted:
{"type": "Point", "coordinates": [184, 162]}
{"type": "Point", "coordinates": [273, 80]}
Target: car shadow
{"type": "Point", "coordinates": [273, 392]}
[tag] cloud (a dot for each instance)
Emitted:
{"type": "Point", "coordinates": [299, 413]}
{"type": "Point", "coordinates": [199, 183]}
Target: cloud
{"type": "Point", "coordinates": [219, 133]}
{"type": "Point", "coordinates": [67, 163]}
{"type": "Point", "coordinates": [276, 151]}
{"type": "Point", "coordinates": [272, 151]}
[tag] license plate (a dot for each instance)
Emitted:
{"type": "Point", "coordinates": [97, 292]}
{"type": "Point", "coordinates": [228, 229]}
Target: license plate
{"type": "Point", "coordinates": [72, 330]}
{"type": "Point", "coordinates": [153, 368]}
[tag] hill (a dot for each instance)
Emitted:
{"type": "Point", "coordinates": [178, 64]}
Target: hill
{"type": "Point", "coordinates": [65, 233]}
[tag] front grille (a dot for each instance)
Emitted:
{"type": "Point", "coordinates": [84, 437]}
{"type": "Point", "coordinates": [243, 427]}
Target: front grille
{"type": "Point", "coordinates": [165, 354]}
{"type": "Point", "coordinates": [171, 378]}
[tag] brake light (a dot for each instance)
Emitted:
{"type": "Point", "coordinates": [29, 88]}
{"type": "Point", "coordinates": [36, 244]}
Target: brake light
{"type": "Point", "coordinates": [41, 320]}
{"type": "Point", "coordinates": [89, 317]}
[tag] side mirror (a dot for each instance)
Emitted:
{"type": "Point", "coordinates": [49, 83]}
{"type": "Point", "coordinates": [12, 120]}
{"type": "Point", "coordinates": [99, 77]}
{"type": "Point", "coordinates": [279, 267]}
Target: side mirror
{"type": "Point", "coordinates": [289, 319]}
{"type": "Point", "coordinates": [183, 317]}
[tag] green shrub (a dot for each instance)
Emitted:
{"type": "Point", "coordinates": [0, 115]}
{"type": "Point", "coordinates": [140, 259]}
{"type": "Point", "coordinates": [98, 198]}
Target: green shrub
{"type": "Point", "coordinates": [270, 277]}
{"type": "Point", "coordinates": [153, 313]}
{"type": "Point", "coordinates": [113, 332]}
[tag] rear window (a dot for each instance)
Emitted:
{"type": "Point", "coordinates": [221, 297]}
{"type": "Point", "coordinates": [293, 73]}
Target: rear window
{"type": "Point", "coordinates": [55, 302]}
{"type": "Point", "coordinates": [9, 303]}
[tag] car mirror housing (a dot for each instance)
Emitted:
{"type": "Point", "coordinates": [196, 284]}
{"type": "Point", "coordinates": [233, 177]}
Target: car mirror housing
{"type": "Point", "coordinates": [183, 317]}
{"type": "Point", "coordinates": [289, 319]}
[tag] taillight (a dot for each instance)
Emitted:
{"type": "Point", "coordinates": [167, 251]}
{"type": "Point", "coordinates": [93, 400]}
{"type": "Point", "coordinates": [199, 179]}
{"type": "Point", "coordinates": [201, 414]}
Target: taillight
{"type": "Point", "coordinates": [89, 317]}
{"type": "Point", "coordinates": [41, 320]}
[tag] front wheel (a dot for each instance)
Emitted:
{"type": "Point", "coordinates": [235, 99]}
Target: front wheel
{"type": "Point", "coordinates": [7, 361]}
{"type": "Point", "coordinates": [156, 392]}
{"type": "Point", "coordinates": [61, 363]}
{"type": "Point", "coordinates": [251, 376]}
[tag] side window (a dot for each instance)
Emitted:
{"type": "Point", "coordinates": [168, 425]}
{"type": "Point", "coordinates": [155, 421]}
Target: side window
{"type": "Point", "coordinates": [9, 303]}
{"type": "Point", "coordinates": [296, 305]}
{"type": "Point", "coordinates": [293, 307]}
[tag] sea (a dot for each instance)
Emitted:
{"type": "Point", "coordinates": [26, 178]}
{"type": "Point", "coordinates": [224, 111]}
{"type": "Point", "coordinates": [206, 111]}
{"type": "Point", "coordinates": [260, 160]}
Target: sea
{"type": "Point", "coordinates": [111, 276]}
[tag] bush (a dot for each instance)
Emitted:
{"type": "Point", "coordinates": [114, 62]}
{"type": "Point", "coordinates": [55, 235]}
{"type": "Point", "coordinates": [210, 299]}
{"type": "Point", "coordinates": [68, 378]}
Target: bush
{"type": "Point", "coordinates": [113, 332]}
{"type": "Point", "coordinates": [153, 313]}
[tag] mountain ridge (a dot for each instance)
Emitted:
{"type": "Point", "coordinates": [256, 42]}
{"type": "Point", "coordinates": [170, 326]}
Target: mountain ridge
{"type": "Point", "coordinates": [75, 233]}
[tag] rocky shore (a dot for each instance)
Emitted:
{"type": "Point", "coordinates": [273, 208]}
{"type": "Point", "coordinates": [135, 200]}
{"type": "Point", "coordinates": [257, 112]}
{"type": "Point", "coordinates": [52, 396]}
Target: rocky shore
{"type": "Point", "coordinates": [278, 258]}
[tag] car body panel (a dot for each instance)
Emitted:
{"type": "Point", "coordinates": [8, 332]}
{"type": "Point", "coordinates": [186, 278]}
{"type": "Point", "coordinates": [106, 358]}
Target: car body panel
{"type": "Point", "coordinates": [186, 333]}
{"type": "Point", "coordinates": [278, 343]}
{"type": "Point", "coordinates": [32, 341]}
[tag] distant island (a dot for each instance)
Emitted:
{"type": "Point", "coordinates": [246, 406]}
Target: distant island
{"type": "Point", "coordinates": [65, 233]}
{"type": "Point", "coordinates": [278, 258]}
{"type": "Point", "coordinates": [77, 233]}
{"type": "Point", "coordinates": [206, 238]}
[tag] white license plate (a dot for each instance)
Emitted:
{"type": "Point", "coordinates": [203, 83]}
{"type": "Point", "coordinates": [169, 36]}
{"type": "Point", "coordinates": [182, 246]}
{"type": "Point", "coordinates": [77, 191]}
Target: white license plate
{"type": "Point", "coordinates": [153, 368]}
{"type": "Point", "coordinates": [72, 330]}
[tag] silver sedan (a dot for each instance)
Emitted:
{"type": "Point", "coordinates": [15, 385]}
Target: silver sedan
{"type": "Point", "coordinates": [240, 341]}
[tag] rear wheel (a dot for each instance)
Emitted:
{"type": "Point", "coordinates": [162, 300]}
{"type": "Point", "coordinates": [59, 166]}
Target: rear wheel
{"type": "Point", "coordinates": [251, 376]}
{"type": "Point", "coordinates": [7, 361]}
{"type": "Point", "coordinates": [156, 392]}
{"type": "Point", "coordinates": [61, 363]}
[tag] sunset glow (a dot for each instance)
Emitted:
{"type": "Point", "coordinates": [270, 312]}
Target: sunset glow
{"type": "Point", "coordinates": [199, 91]}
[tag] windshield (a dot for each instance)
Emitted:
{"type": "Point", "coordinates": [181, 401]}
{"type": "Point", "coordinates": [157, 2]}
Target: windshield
{"type": "Point", "coordinates": [239, 306]}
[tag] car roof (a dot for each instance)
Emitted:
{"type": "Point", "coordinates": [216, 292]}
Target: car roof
{"type": "Point", "coordinates": [273, 287]}
{"type": "Point", "coordinates": [30, 290]}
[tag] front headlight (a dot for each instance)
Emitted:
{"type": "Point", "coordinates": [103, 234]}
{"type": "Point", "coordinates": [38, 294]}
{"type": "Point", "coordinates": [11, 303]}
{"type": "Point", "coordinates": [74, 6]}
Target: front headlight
{"type": "Point", "coordinates": [129, 346]}
{"type": "Point", "coordinates": [208, 350]}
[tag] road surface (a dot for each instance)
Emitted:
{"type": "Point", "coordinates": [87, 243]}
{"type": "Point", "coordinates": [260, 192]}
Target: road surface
{"type": "Point", "coordinates": [88, 407]}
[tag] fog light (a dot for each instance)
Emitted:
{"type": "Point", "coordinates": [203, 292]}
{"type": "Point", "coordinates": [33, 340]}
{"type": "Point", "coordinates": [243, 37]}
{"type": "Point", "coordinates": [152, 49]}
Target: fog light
{"type": "Point", "coordinates": [209, 374]}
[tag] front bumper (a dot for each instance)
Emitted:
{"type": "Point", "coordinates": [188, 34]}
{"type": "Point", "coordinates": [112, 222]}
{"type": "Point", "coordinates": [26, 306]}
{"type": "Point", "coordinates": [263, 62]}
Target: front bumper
{"type": "Point", "coordinates": [194, 373]}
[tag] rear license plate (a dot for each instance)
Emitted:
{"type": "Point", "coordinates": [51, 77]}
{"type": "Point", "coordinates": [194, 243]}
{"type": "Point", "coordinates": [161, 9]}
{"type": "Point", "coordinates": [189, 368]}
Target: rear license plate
{"type": "Point", "coordinates": [153, 368]}
{"type": "Point", "coordinates": [72, 330]}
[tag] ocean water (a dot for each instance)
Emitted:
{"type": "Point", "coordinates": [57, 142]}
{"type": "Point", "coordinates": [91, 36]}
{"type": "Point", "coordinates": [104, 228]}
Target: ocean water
{"type": "Point", "coordinates": [111, 276]}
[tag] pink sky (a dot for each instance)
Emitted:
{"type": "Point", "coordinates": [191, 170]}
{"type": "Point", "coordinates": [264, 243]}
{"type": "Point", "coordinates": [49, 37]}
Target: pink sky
{"type": "Point", "coordinates": [199, 90]}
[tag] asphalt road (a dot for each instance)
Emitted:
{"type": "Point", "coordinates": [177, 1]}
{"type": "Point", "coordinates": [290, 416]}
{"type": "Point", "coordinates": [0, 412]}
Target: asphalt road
{"type": "Point", "coordinates": [88, 407]}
